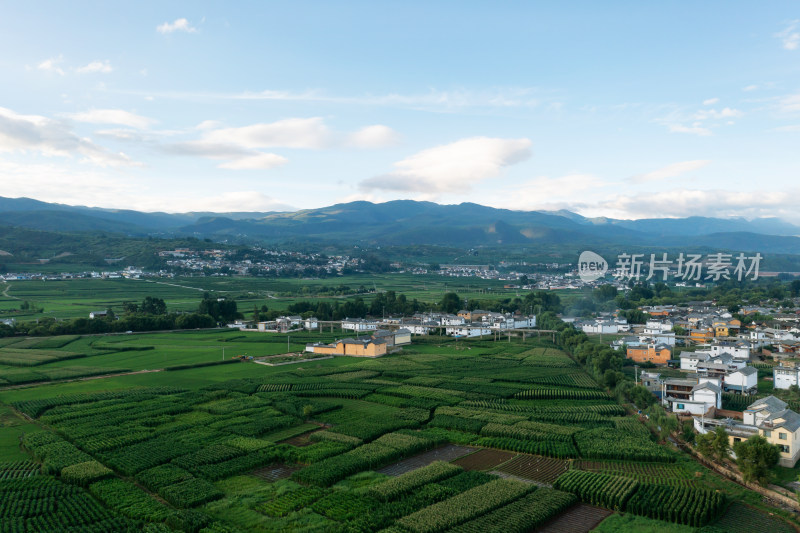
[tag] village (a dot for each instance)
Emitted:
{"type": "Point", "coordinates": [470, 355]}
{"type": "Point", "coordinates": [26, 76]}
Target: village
{"type": "Point", "coordinates": [701, 362]}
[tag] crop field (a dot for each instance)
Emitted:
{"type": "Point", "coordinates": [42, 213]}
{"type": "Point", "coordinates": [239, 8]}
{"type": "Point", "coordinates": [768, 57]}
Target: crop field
{"type": "Point", "coordinates": [404, 442]}
{"type": "Point", "coordinates": [448, 452]}
{"type": "Point", "coordinates": [536, 468]}
{"type": "Point", "coordinates": [740, 518]}
{"type": "Point", "coordinates": [578, 519]}
{"type": "Point", "coordinates": [484, 459]}
{"type": "Point", "coordinates": [655, 472]}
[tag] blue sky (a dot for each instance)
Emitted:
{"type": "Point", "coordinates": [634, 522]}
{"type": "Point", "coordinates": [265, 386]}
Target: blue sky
{"type": "Point", "coordinates": [621, 109]}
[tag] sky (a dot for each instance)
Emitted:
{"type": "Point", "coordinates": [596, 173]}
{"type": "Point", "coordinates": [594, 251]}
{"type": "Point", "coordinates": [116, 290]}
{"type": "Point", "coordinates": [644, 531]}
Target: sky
{"type": "Point", "coordinates": [621, 109]}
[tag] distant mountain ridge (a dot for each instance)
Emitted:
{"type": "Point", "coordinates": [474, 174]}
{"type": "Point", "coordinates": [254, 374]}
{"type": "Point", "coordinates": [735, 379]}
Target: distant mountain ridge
{"type": "Point", "coordinates": [408, 222]}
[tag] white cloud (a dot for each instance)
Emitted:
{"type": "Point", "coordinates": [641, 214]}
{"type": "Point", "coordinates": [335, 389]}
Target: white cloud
{"type": "Point", "coordinates": [545, 192]}
{"type": "Point", "coordinates": [103, 67]}
{"type": "Point", "coordinates": [288, 133]}
{"type": "Point", "coordinates": [671, 171]}
{"type": "Point", "coordinates": [51, 138]}
{"type": "Point", "coordinates": [51, 65]}
{"type": "Point", "coordinates": [710, 101]}
{"type": "Point", "coordinates": [112, 116]}
{"type": "Point", "coordinates": [209, 125]}
{"type": "Point", "coordinates": [750, 88]}
{"type": "Point", "coordinates": [690, 202]}
{"type": "Point", "coordinates": [256, 162]}
{"type": "Point", "coordinates": [790, 103]}
{"type": "Point", "coordinates": [695, 129]}
{"type": "Point", "coordinates": [727, 112]}
{"type": "Point", "coordinates": [452, 167]}
{"type": "Point", "coordinates": [95, 188]}
{"type": "Point", "coordinates": [377, 136]}
{"type": "Point", "coordinates": [230, 201]}
{"type": "Point", "coordinates": [239, 158]}
{"type": "Point", "coordinates": [178, 25]}
{"type": "Point", "coordinates": [790, 37]}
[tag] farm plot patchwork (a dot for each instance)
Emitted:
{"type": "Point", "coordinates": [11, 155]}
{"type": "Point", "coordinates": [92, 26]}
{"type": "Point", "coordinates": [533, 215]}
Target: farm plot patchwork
{"type": "Point", "coordinates": [350, 447]}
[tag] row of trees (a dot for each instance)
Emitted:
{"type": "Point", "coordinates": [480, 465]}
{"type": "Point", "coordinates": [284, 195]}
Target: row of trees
{"type": "Point", "coordinates": [151, 315]}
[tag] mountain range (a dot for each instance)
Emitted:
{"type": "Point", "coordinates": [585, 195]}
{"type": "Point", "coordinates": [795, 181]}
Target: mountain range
{"type": "Point", "coordinates": [407, 222]}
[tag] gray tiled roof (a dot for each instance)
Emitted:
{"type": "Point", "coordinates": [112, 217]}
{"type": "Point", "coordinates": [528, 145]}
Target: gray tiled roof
{"type": "Point", "coordinates": [771, 403]}
{"type": "Point", "coordinates": [791, 420]}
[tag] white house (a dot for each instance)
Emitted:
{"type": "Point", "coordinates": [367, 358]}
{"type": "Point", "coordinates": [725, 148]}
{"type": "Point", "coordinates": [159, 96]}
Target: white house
{"type": "Point", "coordinates": [784, 377]}
{"type": "Point", "coordinates": [703, 397]}
{"type": "Point", "coordinates": [689, 360]}
{"type": "Point", "coordinates": [739, 350]}
{"type": "Point", "coordinates": [743, 381]}
{"type": "Point", "coordinates": [418, 327]}
{"type": "Point", "coordinates": [451, 320]}
{"type": "Point", "coordinates": [311, 323]}
{"type": "Point", "coordinates": [359, 324]}
{"type": "Point", "coordinates": [468, 330]}
{"type": "Point", "coordinates": [600, 326]}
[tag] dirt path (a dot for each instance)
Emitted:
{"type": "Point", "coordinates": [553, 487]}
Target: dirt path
{"type": "Point", "coordinates": [86, 378]}
{"type": "Point", "coordinates": [5, 291]}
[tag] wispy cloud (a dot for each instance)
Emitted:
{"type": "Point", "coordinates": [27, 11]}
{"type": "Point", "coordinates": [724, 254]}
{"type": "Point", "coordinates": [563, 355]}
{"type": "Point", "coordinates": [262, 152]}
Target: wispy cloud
{"type": "Point", "coordinates": [376, 136]}
{"type": "Point", "coordinates": [103, 67]}
{"type": "Point", "coordinates": [790, 36]}
{"type": "Point", "coordinates": [695, 129]}
{"type": "Point", "coordinates": [181, 24]}
{"type": "Point", "coordinates": [288, 133]}
{"type": "Point", "coordinates": [670, 171]}
{"type": "Point", "coordinates": [690, 202]}
{"type": "Point", "coordinates": [710, 101]}
{"type": "Point", "coordinates": [50, 137]}
{"type": "Point", "coordinates": [112, 116]}
{"type": "Point", "coordinates": [435, 101]}
{"type": "Point", "coordinates": [51, 65]}
{"type": "Point", "coordinates": [790, 103]}
{"type": "Point", "coordinates": [453, 167]}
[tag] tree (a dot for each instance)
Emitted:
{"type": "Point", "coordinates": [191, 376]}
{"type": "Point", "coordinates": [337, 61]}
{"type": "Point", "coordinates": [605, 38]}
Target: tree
{"type": "Point", "coordinates": [705, 444]}
{"type": "Point", "coordinates": [153, 306]}
{"type": "Point", "coordinates": [721, 443]}
{"type": "Point", "coordinates": [604, 293]}
{"type": "Point", "coordinates": [450, 303]}
{"type": "Point", "coordinates": [755, 458]}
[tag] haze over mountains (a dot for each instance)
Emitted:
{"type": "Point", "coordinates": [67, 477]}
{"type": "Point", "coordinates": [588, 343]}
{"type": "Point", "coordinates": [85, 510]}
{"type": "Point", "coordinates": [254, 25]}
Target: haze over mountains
{"type": "Point", "coordinates": [406, 222]}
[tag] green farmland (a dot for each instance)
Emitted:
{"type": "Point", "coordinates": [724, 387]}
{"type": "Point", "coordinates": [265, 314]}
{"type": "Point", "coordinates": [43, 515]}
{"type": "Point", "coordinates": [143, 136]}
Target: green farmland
{"type": "Point", "coordinates": [77, 298]}
{"type": "Point", "coordinates": [131, 433]}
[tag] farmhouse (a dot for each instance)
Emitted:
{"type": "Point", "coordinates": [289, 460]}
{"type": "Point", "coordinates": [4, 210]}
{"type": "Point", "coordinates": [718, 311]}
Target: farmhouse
{"type": "Point", "coordinates": [784, 377]}
{"type": "Point", "coordinates": [654, 353]}
{"type": "Point", "coordinates": [702, 398]}
{"type": "Point", "coordinates": [742, 381]}
{"type": "Point", "coordinates": [353, 347]}
{"type": "Point", "coordinates": [393, 338]}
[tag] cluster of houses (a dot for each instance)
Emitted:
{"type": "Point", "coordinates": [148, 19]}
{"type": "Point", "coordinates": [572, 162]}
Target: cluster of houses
{"type": "Point", "coordinates": [262, 260]}
{"type": "Point", "coordinates": [464, 324]}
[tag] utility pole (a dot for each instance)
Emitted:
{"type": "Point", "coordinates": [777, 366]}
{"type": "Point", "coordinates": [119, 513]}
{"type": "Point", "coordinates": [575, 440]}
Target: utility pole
{"type": "Point", "coordinates": [223, 353]}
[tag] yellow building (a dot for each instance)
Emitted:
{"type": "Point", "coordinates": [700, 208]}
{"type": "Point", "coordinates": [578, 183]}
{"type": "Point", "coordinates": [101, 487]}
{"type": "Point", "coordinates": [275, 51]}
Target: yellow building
{"type": "Point", "coordinates": [778, 425]}
{"type": "Point", "coordinates": [721, 329]}
{"type": "Point", "coordinates": [701, 335]}
{"type": "Point", "coordinates": [353, 347]}
{"type": "Point", "coordinates": [659, 354]}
